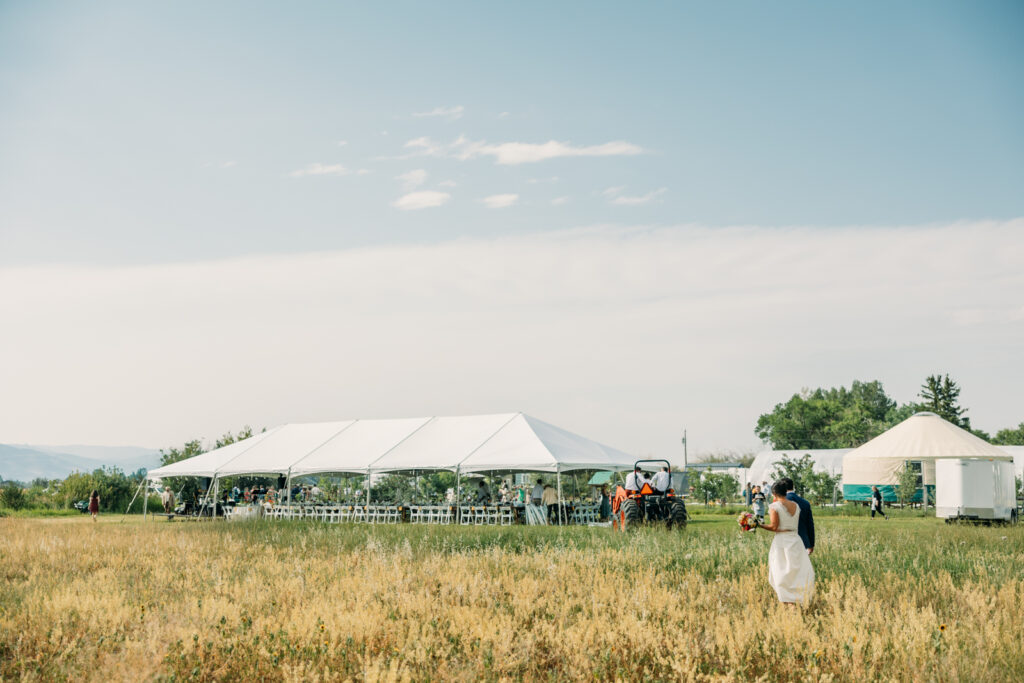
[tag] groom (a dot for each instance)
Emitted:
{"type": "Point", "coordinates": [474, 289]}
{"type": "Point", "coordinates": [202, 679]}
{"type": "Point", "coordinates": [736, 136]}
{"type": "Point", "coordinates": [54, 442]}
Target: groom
{"type": "Point", "coordinates": [805, 526]}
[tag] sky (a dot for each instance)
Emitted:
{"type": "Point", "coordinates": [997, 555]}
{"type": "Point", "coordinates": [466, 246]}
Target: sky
{"type": "Point", "coordinates": [624, 219]}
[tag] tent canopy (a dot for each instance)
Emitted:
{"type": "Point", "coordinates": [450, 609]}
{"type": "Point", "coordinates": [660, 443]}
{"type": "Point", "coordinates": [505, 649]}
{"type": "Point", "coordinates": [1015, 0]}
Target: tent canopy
{"type": "Point", "coordinates": [506, 442]}
{"type": "Point", "coordinates": [923, 437]}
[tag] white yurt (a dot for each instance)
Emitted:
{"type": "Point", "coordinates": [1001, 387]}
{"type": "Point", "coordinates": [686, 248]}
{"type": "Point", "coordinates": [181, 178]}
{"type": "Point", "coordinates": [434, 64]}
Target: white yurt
{"type": "Point", "coordinates": [922, 438]}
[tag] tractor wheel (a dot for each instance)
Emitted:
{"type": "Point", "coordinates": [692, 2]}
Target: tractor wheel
{"type": "Point", "coordinates": [630, 512]}
{"type": "Point", "coordinates": [677, 514]}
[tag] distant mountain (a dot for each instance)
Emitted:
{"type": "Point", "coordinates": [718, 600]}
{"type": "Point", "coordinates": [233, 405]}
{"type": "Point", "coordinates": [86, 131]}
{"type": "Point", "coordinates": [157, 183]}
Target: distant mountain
{"type": "Point", "coordinates": [23, 462]}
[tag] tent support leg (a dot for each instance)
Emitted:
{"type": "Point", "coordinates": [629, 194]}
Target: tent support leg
{"type": "Point", "coordinates": [145, 501]}
{"type": "Point", "coordinates": [558, 481]}
{"type": "Point", "coordinates": [369, 483]}
{"type": "Point", "coordinates": [288, 485]}
{"type": "Point", "coordinates": [458, 472]}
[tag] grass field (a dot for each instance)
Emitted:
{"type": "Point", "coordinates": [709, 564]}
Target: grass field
{"type": "Point", "coordinates": [908, 599]}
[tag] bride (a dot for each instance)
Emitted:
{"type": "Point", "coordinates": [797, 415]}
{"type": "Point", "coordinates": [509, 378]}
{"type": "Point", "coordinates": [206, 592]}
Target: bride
{"type": "Point", "coordinates": [789, 568]}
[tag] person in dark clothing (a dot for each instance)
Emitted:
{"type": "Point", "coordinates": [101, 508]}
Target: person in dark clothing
{"type": "Point", "coordinates": [805, 528]}
{"type": "Point", "coordinates": [876, 503]}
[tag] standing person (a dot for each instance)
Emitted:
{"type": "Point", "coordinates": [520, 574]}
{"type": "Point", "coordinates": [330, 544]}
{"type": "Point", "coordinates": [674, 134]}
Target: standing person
{"type": "Point", "coordinates": [94, 504]}
{"type": "Point", "coordinates": [758, 503]}
{"type": "Point", "coordinates": [605, 510]}
{"type": "Point", "coordinates": [748, 494]}
{"type": "Point", "coordinates": [167, 498]}
{"type": "Point", "coordinates": [538, 493]}
{"type": "Point", "coordinates": [790, 571]}
{"type": "Point", "coordinates": [806, 528]}
{"type": "Point", "coordinates": [876, 503]}
{"type": "Point", "coordinates": [550, 499]}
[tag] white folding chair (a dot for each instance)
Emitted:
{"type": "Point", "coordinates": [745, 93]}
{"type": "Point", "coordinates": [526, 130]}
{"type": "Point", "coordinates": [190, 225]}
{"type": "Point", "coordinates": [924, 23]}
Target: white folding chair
{"type": "Point", "coordinates": [506, 517]}
{"type": "Point", "coordinates": [465, 515]}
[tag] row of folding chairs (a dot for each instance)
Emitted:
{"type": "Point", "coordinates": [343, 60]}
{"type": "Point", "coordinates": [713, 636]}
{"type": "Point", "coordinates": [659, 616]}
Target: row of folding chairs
{"type": "Point", "coordinates": [585, 514]}
{"type": "Point", "coordinates": [431, 514]}
{"type": "Point", "coordinates": [486, 514]}
{"type": "Point", "coordinates": [373, 514]}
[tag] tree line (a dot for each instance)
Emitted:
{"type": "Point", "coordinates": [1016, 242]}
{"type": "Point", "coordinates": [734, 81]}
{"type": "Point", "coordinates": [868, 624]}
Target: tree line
{"type": "Point", "coordinates": [847, 418]}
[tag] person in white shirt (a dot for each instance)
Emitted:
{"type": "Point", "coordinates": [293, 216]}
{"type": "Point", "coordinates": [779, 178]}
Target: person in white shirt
{"type": "Point", "coordinates": [662, 481]}
{"type": "Point", "coordinates": [538, 493]}
{"type": "Point", "coordinates": [550, 499]}
{"type": "Point", "coordinates": [634, 480]}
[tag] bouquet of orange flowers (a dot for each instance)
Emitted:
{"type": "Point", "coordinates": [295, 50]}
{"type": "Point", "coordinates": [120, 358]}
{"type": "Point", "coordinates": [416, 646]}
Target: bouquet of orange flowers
{"type": "Point", "coordinates": [747, 521]}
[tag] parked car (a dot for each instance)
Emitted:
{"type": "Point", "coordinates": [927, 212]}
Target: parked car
{"type": "Point", "coordinates": [81, 505]}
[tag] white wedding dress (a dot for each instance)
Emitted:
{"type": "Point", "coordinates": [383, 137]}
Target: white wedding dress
{"type": "Point", "coordinates": [789, 568]}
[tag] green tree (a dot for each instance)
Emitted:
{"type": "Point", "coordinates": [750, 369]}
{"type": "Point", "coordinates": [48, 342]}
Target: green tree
{"type": "Point", "coordinates": [716, 486]}
{"type": "Point", "coordinates": [1010, 437]}
{"type": "Point", "coordinates": [907, 483]}
{"type": "Point", "coordinates": [822, 485]}
{"type": "Point", "coordinates": [941, 395]}
{"type": "Point", "coordinates": [800, 470]}
{"type": "Point", "coordinates": [828, 418]}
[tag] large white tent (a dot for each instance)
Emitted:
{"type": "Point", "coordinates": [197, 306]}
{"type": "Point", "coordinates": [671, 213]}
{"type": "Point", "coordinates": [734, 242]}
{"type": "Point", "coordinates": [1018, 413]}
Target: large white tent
{"type": "Point", "coordinates": [925, 438]}
{"type": "Point", "coordinates": [479, 443]}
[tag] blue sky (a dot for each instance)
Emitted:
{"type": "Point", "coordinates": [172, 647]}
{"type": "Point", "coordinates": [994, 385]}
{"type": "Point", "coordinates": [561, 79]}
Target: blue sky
{"type": "Point", "coordinates": [136, 137]}
{"type": "Point", "coordinates": [118, 119]}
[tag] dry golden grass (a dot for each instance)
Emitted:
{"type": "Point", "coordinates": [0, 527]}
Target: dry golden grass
{"type": "Point", "coordinates": [173, 601]}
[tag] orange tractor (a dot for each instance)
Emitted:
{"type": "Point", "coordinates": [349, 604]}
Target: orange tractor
{"type": "Point", "coordinates": [630, 509]}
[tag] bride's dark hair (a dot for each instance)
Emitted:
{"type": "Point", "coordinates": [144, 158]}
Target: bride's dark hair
{"type": "Point", "coordinates": [780, 488]}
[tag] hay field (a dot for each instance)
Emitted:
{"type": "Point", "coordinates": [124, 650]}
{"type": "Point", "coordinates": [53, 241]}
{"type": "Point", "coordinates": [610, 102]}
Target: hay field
{"type": "Point", "coordinates": [910, 599]}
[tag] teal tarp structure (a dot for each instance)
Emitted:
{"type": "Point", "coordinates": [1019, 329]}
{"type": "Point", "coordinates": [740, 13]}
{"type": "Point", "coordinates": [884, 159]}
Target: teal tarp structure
{"type": "Point", "coordinates": [862, 493]}
{"type": "Point", "coordinates": [600, 478]}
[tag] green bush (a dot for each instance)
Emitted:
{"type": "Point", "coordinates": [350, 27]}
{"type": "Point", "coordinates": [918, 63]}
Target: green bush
{"type": "Point", "coordinates": [12, 496]}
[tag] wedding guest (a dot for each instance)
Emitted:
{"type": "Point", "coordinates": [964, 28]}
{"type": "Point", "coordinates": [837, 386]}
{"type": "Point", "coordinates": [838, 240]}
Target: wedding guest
{"type": "Point", "coordinates": [876, 503]}
{"type": "Point", "coordinates": [790, 572]}
{"type": "Point", "coordinates": [550, 499]}
{"type": "Point", "coordinates": [538, 492]}
{"type": "Point", "coordinates": [662, 481]}
{"type": "Point", "coordinates": [758, 503]}
{"type": "Point", "coordinates": [167, 498]}
{"type": "Point", "coordinates": [94, 504]}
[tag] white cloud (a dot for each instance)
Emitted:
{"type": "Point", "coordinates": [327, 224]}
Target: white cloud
{"type": "Point", "coordinates": [594, 330]}
{"type": "Point", "coordinates": [424, 199]}
{"type": "Point", "coordinates": [612, 191]}
{"type": "Point", "coordinates": [559, 201]}
{"type": "Point", "coordinates": [500, 201]}
{"type": "Point", "coordinates": [503, 115]}
{"type": "Point", "coordinates": [447, 183]}
{"type": "Point", "coordinates": [364, 171]}
{"type": "Point", "coordinates": [515, 153]}
{"type": "Point", "coordinates": [342, 143]}
{"type": "Point", "coordinates": [228, 164]}
{"type": "Point", "coordinates": [632, 200]}
{"type": "Point", "coordinates": [319, 169]}
{"type": "Point", "coordinates": [539, 181]}
{"type": "Point", "coordinates": [412, 179]}
{"type": "Point", "coordinates": [450, 113]}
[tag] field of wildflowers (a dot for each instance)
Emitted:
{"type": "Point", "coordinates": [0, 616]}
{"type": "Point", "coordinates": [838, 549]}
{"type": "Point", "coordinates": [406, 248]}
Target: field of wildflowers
{"type": "Point", "coordinates": [910, 599]}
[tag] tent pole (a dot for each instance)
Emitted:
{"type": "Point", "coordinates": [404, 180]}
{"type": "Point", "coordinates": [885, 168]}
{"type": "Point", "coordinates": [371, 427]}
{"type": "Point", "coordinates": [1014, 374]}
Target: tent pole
{"type": "Point", "coordinates": [558, 481]}
{"type": "Point", "coordinates": [369, 483]}
{"type": "Point", "coordinates": [145, 501]}
{"type": "Point", "coordinates": [458, 499]}
{"type": "Point", "coordinates": [215, 487]}
{"type": "Point", "coordinates": [288, 485]}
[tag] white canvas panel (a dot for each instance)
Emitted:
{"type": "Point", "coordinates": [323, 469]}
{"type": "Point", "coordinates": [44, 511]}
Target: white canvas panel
{"type": "Point", "coordinates": [529, 444]}
{"type": "Point", "coordinates": [442, 443]}
{"type": "Point", "coordinates": [288, 445]}
{"type": "Point", "coordinates": [207, 464]}
{"type": "Point", "coordinates": [828, 460]}
{"type": "Point", "coordinates": [358, 446]}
